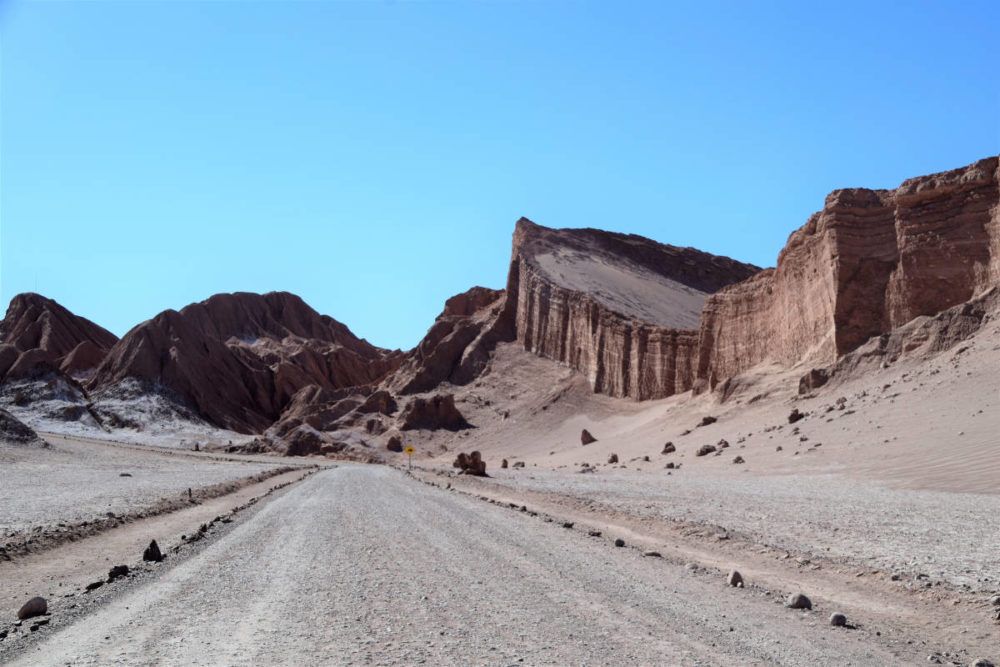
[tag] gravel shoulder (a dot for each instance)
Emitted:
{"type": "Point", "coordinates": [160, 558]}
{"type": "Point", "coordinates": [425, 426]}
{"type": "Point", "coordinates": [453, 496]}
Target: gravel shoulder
{"type": "Point", "coordinates": [363, 564]}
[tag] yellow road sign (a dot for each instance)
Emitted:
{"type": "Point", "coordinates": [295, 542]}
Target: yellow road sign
{"type": "Point", "coordinates": [409, 450]}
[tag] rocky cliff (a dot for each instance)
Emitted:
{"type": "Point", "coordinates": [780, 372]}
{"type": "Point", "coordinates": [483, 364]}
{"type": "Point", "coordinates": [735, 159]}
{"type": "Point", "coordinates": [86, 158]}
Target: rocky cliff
{"type": "Point", "coordinates": [622, 309]}
{"type": "Point", "coordinates": [38, 335]}
{"type": "Point", "coordinates": [238, 359]}
{"type": "Point", "coordinates": [867, 263]}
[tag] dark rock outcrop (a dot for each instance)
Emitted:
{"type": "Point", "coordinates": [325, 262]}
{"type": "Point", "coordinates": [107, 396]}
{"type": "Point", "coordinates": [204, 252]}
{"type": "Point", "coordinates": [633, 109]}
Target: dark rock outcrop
{"type": "Point", "coordinates": [14, 431]}
{"type": "Point", "coordinates": [470, 464]}
{"type": "Point", "coordinates": [433, 413]}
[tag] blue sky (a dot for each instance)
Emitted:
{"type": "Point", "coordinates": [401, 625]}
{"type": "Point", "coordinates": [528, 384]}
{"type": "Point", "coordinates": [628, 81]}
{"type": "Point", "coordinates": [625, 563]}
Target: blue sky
{"type": "Point", "coordinates": [373, 157]}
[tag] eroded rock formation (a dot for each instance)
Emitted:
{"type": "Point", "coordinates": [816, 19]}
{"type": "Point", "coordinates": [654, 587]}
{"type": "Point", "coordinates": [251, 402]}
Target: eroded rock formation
{"type": "Point", "coordinates": [39, 336]}
{"type": "Point", "coordinates": [622, 309]}
{"type": "Point", "coordinates": [239, 359]}
{"type": "Point", "coordinates": [869, 262]}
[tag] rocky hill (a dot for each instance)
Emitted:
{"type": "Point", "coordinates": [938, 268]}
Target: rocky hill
{"type": "Point", "coordinates": [238, 359]}
{"type": "Point", "coordinates": [39, 336]}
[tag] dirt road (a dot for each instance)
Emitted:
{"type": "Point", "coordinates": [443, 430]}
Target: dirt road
{"type": "Point", "coordinates": [364, 565]}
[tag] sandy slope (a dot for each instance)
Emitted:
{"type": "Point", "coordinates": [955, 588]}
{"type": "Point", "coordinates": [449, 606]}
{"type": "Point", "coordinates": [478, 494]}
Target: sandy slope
{"type": "Point", "coordinates": [367, 566]}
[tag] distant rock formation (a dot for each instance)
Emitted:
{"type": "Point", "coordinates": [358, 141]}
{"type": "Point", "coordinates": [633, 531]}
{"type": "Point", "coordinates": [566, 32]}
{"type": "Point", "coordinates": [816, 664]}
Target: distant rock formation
{"type": "Point", "coordinates": [239, 359]}
{"type": "Point", "coordinates": [869, 262]}
{"type": "Point", "coordinates": [38, 336]}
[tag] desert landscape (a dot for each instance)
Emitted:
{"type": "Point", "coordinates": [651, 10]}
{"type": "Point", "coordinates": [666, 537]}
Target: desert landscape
{"type": "Point", "coordinates": [632, 453]}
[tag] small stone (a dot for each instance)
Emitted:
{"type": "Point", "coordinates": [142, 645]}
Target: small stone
{"type": "Point", "coordinates": [152, 553]}
{"type": "Point", "coordinates": [619, 542]}
{"type": "Point", "coordinates": [738, 460]}
{"type": "Point", "coordinates": [586, 438]}
{"type": "Point", "coordinates": [795, 416]}
{"type": "Point", "coordinates": [706, 421]}
{"type": "Point", "coordinates": [652, 554]}
{"type": "Point", "coordinates": [503, 464]}
{"type": "Point", "coordinates": [567, 524]}
{"type": "Point", "coordinates": [117, 572]}
{"type": "Point", "coordinates": [704, 450]}
{"type": "Point", "coordinates": [838, 620]}
{"type": "Point", "coordinates": [36, 606]}
{"type": "Point", "coordinates": [982, 662]}
{"type": "Point", "coordinates": [735, 579]}
{"type": "Point", "coordinates": [995, 600]}
{"type": "Point", "coordinates": [594, 533]}
{"type": "Point", "coordinates": [668, 448]}
{"type": "Point", "coordinates": [94, 585]}
{"type": "Point", "coordinates": [669, 466]}
{"type": "Point", "coordinates": [798, 601]}
{"type": "Point", "coordinates": [518, 464]}
{"type": "Point", "coordinates": [124, 474]}
{"type": "Point", "coordinates": [613, 459]}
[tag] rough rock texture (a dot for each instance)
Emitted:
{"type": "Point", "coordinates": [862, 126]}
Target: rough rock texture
{"type": "Point", "coordinates": [456, 348]}
{"type": "Point", "coordinates": [239, 359]}
{"type": "Point", "coordinates": [12, 430]}
{"type": "Point", "coordinates": [470, 464]}
{"type": "Point", "coordinates": [435, 412]}
{"type": "Point", "coordinates": [39, 336]}
{"type": "Point", "coordinates": [869, 262]}
{"type": "Point", "coordinates": [622, 309]}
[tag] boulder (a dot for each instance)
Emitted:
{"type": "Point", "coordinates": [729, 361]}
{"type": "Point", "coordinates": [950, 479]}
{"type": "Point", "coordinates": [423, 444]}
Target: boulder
{"type": "Point", "coordinates": [838, 620]}
{"type": "Point", "coordinates": [668, 448]}
{"type": "Point", "coordinates": [705, 450]}
{"type": "Point", "coordinates": [613, 459]}
{"type": "Point", "coordinates": [503, 464]}
{"type": "Point", "coordinates": [795, 416]}
{"type": "Point", "coordinates": [798, 601]}
{"type": "Point", "coordinates": [433, 413]}
{"type": "Point", "coordinates": [394, 444]}
{"type": "Point", "coordinates": [735, 579]}
{"type": "Point", "coordinates": [117, 572]}
{"type": "Point", "coordinates": [470, 464]}
{"type": "Point", "coordinates": [152, 553]}
{"type": "Point", "coordinates": [738, 460]}
{"type": "Point", "coordinates": [586, 438]}
{"type": "Point", "coordinates": [36, 606]}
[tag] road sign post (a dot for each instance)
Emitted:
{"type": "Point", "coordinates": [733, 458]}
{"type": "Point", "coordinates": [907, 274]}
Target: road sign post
{"type": "Point", "coordinates": [409, 454]}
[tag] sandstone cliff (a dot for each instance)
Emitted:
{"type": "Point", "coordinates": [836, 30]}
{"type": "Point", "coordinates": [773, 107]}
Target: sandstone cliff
{"type": "Point", "coordinates": [869, 262]}
{"type": "Point", "coordinates": [622, 309]}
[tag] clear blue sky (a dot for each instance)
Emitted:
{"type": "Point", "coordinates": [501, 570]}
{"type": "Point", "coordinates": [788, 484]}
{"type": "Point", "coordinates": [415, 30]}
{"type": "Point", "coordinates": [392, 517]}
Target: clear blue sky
{"type": "Point", "coordinates": [373, 157]}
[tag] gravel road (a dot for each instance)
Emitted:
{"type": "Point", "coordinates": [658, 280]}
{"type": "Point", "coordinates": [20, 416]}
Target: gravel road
{"type": "Point", "coordinates": [363, 565]}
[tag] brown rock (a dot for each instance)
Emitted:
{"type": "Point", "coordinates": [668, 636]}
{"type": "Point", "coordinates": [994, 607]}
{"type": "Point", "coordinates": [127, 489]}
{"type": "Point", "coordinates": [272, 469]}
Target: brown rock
{"type": "Point", "coordinates": [36, 606]}
{"type": "Point", "coordinates": [503, 464]}
{"type": "Point", "coordinates": [704, 450]}
{"type": "Point", "coordinates": [735, 579]}
{"type": "Point", "coordinates": [798, 601]}
{"type": "Point", "coordinates": [668, 448]}
{"type": "Point", "coordinates": [15, 431]}
{"type": "Point", "coordinates": [613, 459]}
{"type": "Point", "coordinates": [239, 358]}
{"type": "Point", "coordinates": [394, 444]}
{"type": "Point", "coordinates": [433, 413]}
{"type": "Point", "coordinates": [470, 464]}
{"type": "Point", "coordinates": [586, 438]}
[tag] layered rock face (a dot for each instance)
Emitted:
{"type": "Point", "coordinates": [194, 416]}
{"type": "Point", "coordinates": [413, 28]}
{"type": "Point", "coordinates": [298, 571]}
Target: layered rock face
{"type": "Point", "coordinates": [622, 309]}
{"type": "Point", "coordinates": [238, 359]}
{"type": "Point", "coordinates": [39, 336]}
{"type": "Point", "coordinates": [870, 261]}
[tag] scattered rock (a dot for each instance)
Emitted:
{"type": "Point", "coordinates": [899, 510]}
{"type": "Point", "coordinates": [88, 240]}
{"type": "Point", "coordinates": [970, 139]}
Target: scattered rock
{"type": "Point", "coordinates": [594, 533]}
{"type": "Point", "coordinates": [981, 662]}
{"type": "Point", "coordinates": [704, 450]}
{"type": "Point", "coordinates": [838, 620]}
{"type": "Point", "coordinates": [738, 460]}
{"type": "Point", "coordinates": [613, 459]}
{"type": "Point", "coordinates": [39, 623]}
{"type": "Point", "coordinates": [394, 444]}
{"type": "Point", "coordinates": [798, 601]}
{"type": "Point", "coordinates": [586, 438]}
{"type": "Point", "coordinates": [722, 444]}
{"type": "Point", "coordinates": [36, 606]}
{"type": "Point", "coordinates": [795, 416]}
{"type": "Point", "coordinates": [117, 572]}
{"type": "Point", "coordinates": [735, 579]}
{"type": "Point", "coordinates": [567, 524]}
{"type": "Point", "coordinates": [652, 554]}
{"type": "Point", "coordinates": [619, 542]}
{"type": "Point", "coordinates": [470, 464]}
{"type": "Point", "coordinates": [93, 586]}
{"type": "Point", "coordinates": [669, 466]}
{"type": "Point", "coordinates": [503, 464]}
{"type": "Point", "coordinates": [152, 553]}
{"type": "Point", "coordinates": [518, 464]}
{"type": "Point", "coordinates": [706, 421]}
{"type": "Point", "coordinates": [668, 448]}
{"type": "Point", "coordinates": [124, 474]}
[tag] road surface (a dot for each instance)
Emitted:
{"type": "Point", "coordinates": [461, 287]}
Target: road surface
{"type": "Point", "coordinates": [364, 565]}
